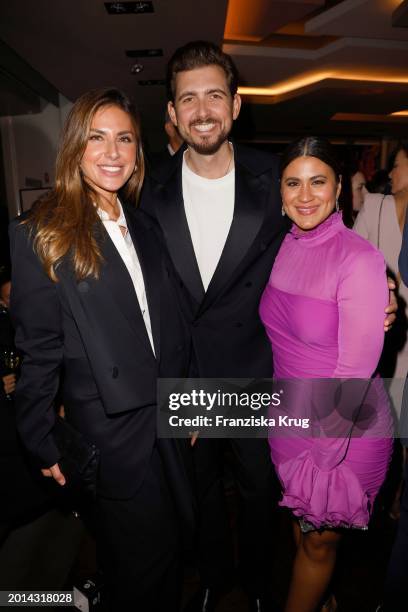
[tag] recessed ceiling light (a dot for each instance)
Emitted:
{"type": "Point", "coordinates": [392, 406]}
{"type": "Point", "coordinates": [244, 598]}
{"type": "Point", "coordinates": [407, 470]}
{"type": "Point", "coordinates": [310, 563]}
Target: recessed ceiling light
{"type": "Point", "coordinates": [152, 82]}
{"type": "Point", "coordinates": [126, 8]}
{"type": "Point", "coordinates": [144, 53]}
{"type": "Point", "coordinates": [137, 68]}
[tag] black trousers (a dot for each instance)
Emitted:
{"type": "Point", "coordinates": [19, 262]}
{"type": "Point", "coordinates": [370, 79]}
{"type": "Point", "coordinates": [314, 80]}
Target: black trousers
{"type": "Point", "coordinates": [258, 491]}
{"type": "Point", "coordinates": [138, 547]}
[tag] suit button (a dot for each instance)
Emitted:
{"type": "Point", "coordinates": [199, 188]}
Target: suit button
{"type": "Point", "coordinates": [263, 246]}
{"type": "Point", "coordinates": [239, 324]}
{"type": "Point", "coordinates": [115, 372]}
{"type": "Point", "coordinates": [248, 284]}
{"type": "Point", "coordinates": [180, 348]}
{"type": "Point", "coordinates": [196, 323]}
{"type": "Point", "coordinates": [83, 287]}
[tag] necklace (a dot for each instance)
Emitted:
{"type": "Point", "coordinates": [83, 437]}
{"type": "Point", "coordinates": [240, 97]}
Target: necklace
{"type": "Point", "coordinates": [227, 168]}
{"type": "Point", "coordinates": [230, 159]}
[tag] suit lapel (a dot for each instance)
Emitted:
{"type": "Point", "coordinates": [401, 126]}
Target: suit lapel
{"type": "Point", "coordinates": [115, 277]}
{"type": "Point", "coordinates": [150, 262]}
{"type": "Point", "coordinates": [249, 207]}
{"type": "Point", "coordinates": [173, 221]}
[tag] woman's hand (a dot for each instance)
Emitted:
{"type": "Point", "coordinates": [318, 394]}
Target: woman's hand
{"type": "Point", "coordinates": [193, 437]}
{"type": "Point", "coordinates": [392, 306]}
{"type": "Point", "coordinates": [9, 382]}
{"type": "Point", "coordinates": [55, 473]}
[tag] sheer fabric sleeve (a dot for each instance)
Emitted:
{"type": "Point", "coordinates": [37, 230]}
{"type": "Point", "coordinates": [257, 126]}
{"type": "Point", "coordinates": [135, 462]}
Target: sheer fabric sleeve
{"type": "Point", "coordinates": [362, 296]}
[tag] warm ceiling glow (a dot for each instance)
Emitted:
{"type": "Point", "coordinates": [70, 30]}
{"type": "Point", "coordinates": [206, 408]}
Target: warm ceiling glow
{"type": "Point", "coordinates": [316, 77]}
{"type": "Point", "coordinates": [244, 20]}
{"type": "Point", "coordinates": [403, 113]}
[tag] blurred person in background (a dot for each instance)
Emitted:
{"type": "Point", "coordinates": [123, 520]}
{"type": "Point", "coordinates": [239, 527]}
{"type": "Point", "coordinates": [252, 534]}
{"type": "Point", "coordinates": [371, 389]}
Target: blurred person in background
{"type": "Point", "coordinates": [353, 192]}
{"type": "Point", "coordinates": [381, 221]}
{"type": "Point", "coordinates": [380, 182]}
{"type": "Point", "coordinates": [174, 143]}
{"type": "Point", "coordinates": [23, 498]}
{"type": "Point", "coordinates": [6, 330]}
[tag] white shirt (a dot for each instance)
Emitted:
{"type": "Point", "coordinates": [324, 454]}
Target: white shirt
{"type": "Point", "coordinates": [209, 207]}
{"type": "Point", "coordinates": [124, 245]}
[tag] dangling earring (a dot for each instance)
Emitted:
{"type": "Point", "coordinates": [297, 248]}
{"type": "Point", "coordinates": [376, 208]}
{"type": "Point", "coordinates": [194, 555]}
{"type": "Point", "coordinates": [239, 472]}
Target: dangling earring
{"type": "Point", "coordinates": [283, 212]}
{"type": "Point", "coordinates": [337, 205]}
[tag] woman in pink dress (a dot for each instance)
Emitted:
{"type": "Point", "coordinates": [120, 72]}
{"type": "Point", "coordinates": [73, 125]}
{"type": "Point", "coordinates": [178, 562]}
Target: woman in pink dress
{"type": "Point", "coordinates": [323, 310]}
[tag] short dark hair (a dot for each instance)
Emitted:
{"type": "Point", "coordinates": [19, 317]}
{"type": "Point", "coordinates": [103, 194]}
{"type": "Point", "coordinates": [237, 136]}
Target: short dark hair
{"type": "Point", "coordinates": [312, 146]}
{"type": "Point", "coordinates": [401, 146]}
{"type": "Point", "coordinates": [197, 54]}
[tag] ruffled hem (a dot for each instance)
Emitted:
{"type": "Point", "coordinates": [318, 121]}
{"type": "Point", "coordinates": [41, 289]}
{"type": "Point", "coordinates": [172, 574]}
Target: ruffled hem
{"type": "Point", "coordinates": [323, 498]}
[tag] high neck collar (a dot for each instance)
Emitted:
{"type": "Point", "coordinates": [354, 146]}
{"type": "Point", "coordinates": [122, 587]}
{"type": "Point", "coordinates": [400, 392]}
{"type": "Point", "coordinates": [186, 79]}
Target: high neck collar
{"type": "Point", "coordinates": [329, 227]}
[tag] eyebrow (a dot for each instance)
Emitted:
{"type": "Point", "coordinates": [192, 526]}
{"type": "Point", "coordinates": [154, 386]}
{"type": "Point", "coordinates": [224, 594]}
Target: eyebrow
{"type": "Point", "coordinates": [206, 92]}
{"type": "Point", "coordinates": [104, 131]}
{"type": "Point", "coordinates": [312, 178]}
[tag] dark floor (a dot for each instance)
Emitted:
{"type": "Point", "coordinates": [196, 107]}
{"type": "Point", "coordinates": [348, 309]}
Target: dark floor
{"type": "Point", "coordinates": [55, 552]}
{"type": "Point", "coordinates": [359, 577]}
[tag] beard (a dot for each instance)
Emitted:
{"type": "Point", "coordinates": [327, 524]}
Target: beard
{"type": "Point", "coordinates": [206, 145]}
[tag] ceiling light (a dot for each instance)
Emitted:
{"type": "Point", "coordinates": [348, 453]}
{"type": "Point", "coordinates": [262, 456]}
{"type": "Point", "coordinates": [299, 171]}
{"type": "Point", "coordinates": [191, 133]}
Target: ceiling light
{"type": "Point", "coordinates": [144, 53]}
{"type": "Point", "coordinates": [126, 8]}
{"type": "Point", "coordinates": [403, 113]}
{"type": "Point", "coordinates": [316, 77]}
{"type": "Point", "coordinates": [152, 82]}
{"type": "Point", "coordinates": [137, 68]}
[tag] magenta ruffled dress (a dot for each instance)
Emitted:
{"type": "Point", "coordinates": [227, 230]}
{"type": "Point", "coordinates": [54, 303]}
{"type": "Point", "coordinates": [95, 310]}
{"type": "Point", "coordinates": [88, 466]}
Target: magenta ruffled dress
{"type": "Point", "coordinates": [323, 311]}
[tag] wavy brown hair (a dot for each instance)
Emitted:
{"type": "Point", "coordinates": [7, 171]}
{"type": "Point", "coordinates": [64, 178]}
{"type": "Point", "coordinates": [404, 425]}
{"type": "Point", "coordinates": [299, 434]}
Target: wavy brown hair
{"type": "Point", "coordinates": [64, 223]}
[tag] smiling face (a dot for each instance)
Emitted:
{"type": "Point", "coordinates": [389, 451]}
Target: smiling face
{"type": "Point", "coordinates": [399, 173]}
{"type": "Point", "coordinates": [309, 190]}
{"type": "Point", "coordinates": [110, 155]}
{"type": "Point", "coordinates": [358, 188]}
{"type": "Point", "coordinates": [203, 108]}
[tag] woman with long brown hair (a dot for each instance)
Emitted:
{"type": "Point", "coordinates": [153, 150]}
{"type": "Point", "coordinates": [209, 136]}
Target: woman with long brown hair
{"type": "Point", "coordinates": [90, 282]}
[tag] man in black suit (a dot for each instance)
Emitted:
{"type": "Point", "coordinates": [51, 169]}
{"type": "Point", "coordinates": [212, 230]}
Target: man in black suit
{"type": "Point", "coordinates": [173, 145]}
{"type": "Point", "coordinates": [218, 205]}
{"type": "Point", "coordinates": [95, 332]}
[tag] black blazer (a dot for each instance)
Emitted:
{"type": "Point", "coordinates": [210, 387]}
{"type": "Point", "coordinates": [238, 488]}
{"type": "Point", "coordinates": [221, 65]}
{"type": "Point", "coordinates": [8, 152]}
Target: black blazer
{"type": "Point", "coordinates": [93, 331]}
{"type": "Point", "coordinates": [227, 334]}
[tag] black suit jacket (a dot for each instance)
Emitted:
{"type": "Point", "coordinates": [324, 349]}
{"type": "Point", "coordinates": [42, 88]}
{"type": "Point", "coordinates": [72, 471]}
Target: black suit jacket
{"type": "Point", "coordinates": [93, 332]}
{"type": "Point", "coordinates": [227, 334]}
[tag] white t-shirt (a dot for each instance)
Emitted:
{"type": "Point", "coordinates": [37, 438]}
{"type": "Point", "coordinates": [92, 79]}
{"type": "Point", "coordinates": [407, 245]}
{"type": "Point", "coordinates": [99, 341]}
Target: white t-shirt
{"type": "Point", "coordinates": [209, 207]}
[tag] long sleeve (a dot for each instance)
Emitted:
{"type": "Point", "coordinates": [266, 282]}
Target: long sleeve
{"type": "Point", "coordinates": [36, 315]}
{"type": "Point", "coordinates": [403, 258]}
{"type": "Point", "coordinates": [362, 297]}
